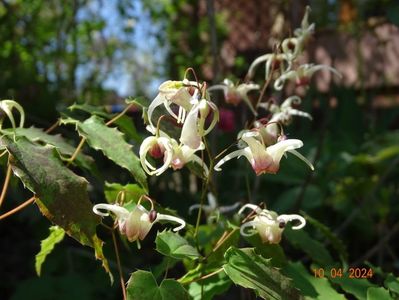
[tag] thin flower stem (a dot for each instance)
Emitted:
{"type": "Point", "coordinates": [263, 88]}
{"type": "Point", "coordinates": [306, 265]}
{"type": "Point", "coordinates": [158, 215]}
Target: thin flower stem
{"type": "Point", "coordinates": [118, 262]}
{"type": "Point", "coordinates": [205, 276]}
{"type": "Point", "coordinates": [18, 208]}
{"type": "Point", "coordinates": [52, 127]}
{"type": "Point", "coordinates": [119, 115]}
{"type": "Point", "coordinates": [262, 93]}
{"type": "Point", "coordinates": [6, 183]}
{"type": "Point", "coordinates": [77, 150]}
{"type": "Point", "coordinates": [204, 188]}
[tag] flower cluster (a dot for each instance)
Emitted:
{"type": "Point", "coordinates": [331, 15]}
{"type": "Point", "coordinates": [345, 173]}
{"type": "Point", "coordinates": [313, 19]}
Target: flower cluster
{"type": "Point", "coordinates": [193, 108]}
{"type": "Point", "coordinates": [262, 142]}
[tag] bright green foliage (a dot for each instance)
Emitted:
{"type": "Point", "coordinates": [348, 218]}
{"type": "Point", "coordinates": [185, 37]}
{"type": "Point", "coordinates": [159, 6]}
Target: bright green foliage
{"type": "Point", "coordinates": [213, 286]}
{"type": "Point", "coordinates": [47, 245]}
{"type": "Point", "coordinates": [392, 283]}
{"type": "Point", "coordinates": [111, 142]}
{"type": "Point", "coordinates": [129, 192]}
{"type": "Point", "coordinates": [250, 270]}
{"type": "Point", "coordinates": [143, 286]}
{"type": "Point", "coordinates": [355, 286]}
{"type": "Point", "coordinates": [310, 286]}
{"type": "Point", "coordinates": [380, 293]}
{"type": "Point", "coordinates": [61, 194]}
{"type": "Point", "coordinates": [173, 245]}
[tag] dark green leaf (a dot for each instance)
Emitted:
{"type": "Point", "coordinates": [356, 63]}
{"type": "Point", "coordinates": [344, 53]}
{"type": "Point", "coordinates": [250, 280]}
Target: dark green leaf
{"type": "Point", "coordinates": [110, 141]}
{"type": "Point", "coordinates": [38, 135]}
{"type": "Point", "coordinates": [250, 270]}
{"type": "Point", "coordinates": [173, 245]}
{"type": "Point", "coordinates": [338, 245]}
{"type": "Point", "coordinates": [60, 194]}
{"type": "Point", "coordinates": [143, 286]}
{"type": "Point", "coordinates": [47, 245]}
{"type": "Point", "coordinates": [315, 250]}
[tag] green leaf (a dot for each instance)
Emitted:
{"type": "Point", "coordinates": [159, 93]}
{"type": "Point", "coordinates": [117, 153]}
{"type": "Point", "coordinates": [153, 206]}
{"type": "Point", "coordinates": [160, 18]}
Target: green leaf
{"type": "Point", "coordinates": [110, 141]}
{"type": "Point", "coordinates": [173, 245]}
{"type": "Point", "coordinates": [314, 249]}
{"type": "Point", "coordinates": [60, 194]}
{"type": "Point", "coordinates": [209, 288]}
{"type": "Point", "coordinates": [250, 270]}
{"type": "Point", "coordinates": [131, 192]}
{"type": "Point", "coordinates": [392, 283]}
{"type": "Point", "coordinates": [380, 293]}
{"type": "Point", "coordinates": [47, 245]}
{"type": "Point", "coordinates": [143, 286]}
{"type": "Point", "coordinates": [338, 245]}
{"type": "Point", "coordinates": [310, 286]}
{"type": "Point", "coordinates": [274, 252]}
{"type": "Point", "coordinates": [38, 135]}
{"type": "Point", "coordinates": [357, 287]}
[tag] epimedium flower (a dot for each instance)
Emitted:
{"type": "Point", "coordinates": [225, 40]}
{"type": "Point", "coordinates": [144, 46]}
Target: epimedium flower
{"type": "Point", "coordinates": [273, 62]}
{"type": "Point", "coordinates": [268, 224]}
{"type": "Point", "coordinates": [177, 92]}
{"type": "Point", "coordinates": [194, 125]}
{"type": "Point", "coordinates": [173, 154]}
{"type": "Point", "coordinates": [233, 94]}
{"type": "Point", "coordinates": [6, 107]}
{"type": "Point", "coordinates": [264, 159]}
{"type": "Point", "coordinates": [283, 113]}
{"type": "Point", "coordinates": [302, 75]}
{"type": "Point", "coordinates": [137, 223]}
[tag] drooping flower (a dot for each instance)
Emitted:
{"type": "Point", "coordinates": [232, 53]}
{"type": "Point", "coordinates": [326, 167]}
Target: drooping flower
{"type": "Point", "coordinates": [137, 223]}
{"type": "Point", "coordinates": [177, 92]}
{"type": "Point", "coordinates": [263, 159]}
{"type": "Point", "coordinates": [194, 125]}
{"type": "Point", "coordinates": [234, 94]}
{"type": "Point", "coordinates": [157, 147]}
{"type": "Point", "coordinates": [302, 75]}
{"type": "Point", "coordinates": [173, 154]}
{"type": "Point", "coordinates": [6, 107]}
{"type": "Point", "coordinates": [268, 224]}
{"type": "Point", "coordinates": [283, 113]}
{"type": "Point", "coordinates": [273, 62]}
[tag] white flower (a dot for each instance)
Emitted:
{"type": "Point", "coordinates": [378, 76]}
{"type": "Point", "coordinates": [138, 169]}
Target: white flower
{"type": "Point", "coordinates": [306, 29]}
{"type": "Point", "coordinates": [7, 106]}
{"type": "Point", "coordinates": [137, 223]}
{"type": "Point", "coordinates": [302, 75]}
{"type": "Point", "coordinates": [194, 124]}
{"type": "Point", "coordinates": [283, 113]}
{"type": "Point", "coordinates": [177, 92]}
{"type": "Point", "coordinates": [174, 155]}
{"type": "Point", "coordinates": [268, 224]}
{"type": "Point", "coordinates": [264, 159]}
{"type": "Point", "coordinates": [234, 94]}
{"type": "Point", "coordinates": [157, 147]}
{"type": "Point", "coordinates": [273, 62]}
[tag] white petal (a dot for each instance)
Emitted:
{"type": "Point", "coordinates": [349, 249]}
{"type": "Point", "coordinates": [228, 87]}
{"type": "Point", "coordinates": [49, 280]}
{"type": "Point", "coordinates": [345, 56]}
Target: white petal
{"type": "Point", "coordinates": [189, 134]}
{"type": "Point", "coordinates": [303, 158]}
{"type": "Point", "coordinates": [277, 150]}
{"type": "Point", "coordinates": [229, 156]}
{"type": "Point", "coordinates": [159, 99]}
{"type": "Point", "coordinates": [161, 217]}
{"type": "Point", "coordinates": [254, 207]}
{"type": "Point", "coordinates": [290, 218]}
{"type": "Point", "coordinates": [119, 211]}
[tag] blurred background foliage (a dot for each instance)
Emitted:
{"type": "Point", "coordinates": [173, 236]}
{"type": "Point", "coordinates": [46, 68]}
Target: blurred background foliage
{"type": "Point", "coordinates": [55, 53]}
